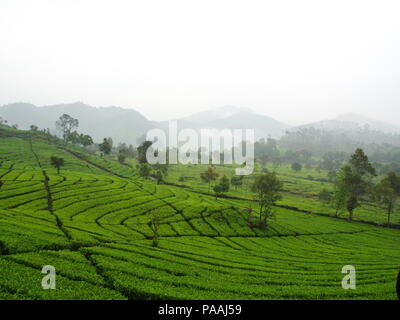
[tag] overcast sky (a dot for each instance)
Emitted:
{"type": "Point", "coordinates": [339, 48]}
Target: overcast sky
{"type": "Point", "coordinates": [296, 61]}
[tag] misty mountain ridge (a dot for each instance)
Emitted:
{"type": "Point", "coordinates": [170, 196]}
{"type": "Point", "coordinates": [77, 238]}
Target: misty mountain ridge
{"type": "Point", "coordinates": [352, 122]}
{"type": "Point", "coordinates": [130, 126]}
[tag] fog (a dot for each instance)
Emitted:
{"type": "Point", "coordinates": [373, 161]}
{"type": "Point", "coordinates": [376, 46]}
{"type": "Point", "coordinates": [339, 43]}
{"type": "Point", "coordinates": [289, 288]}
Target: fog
{"type": "Point", "coordinates": [297, 61]}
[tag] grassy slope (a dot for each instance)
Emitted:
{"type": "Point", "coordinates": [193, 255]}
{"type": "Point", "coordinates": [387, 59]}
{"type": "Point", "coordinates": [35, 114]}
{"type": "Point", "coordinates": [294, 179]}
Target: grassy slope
{"type": "Point", "coordinates": [91, 223]}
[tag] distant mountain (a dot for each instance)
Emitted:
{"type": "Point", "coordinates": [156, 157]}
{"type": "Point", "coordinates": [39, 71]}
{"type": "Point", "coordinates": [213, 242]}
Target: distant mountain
{"type": "Point", "coordinates": [123, 125]}
{"type": "Point", "coordinates": [371, 123]}
{"type": "Point", "coordinates": [231, 117]}
{"type": "Point", "coordinates": [129, 126]}
{"type": "Point", "coordinates": [352, 122]}
{"type": "Point", "coordinates": [216, 114]}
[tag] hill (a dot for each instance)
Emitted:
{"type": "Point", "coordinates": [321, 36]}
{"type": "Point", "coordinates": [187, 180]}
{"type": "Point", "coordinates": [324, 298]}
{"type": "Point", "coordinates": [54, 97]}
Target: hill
{"type": "Point", "coordinates": [123, 125]}
{"type": "Point", "coordinates": [92, 222]}
{"type": "Point", "coordinates": [352, 123]}
{"type": "Point", "coordinates": [231, 117]}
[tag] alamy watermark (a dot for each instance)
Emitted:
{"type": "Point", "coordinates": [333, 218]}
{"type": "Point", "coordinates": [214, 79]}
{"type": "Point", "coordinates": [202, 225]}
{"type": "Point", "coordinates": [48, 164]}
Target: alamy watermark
{"type": "Point", "coordinates": [349, 280]}
{"type": "Point", "coordinates": [188, 146]}
{"type": "Point", "coordinates": [49, 281]}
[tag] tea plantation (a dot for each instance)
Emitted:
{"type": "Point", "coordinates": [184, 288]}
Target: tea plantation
{"type": "Point", "coordinates": [92, 222]}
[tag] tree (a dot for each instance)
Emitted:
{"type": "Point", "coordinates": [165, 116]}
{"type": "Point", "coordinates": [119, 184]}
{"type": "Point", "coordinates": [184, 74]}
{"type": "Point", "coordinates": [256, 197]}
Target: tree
{"type": "Point", "coordinates": [33, 127]}
{"type": "Point", "coordinates": [222, 186]}
{"type": "Point", "coordinates": [387, 192]}
{"type": "Point", "coordinates": [65, 124]}
{"type": "Point", "coordinates": [267, 188]}
{"type": "Point", "coordinates": [73, 137]}
{"type": "Point", "coordinates": [106, 146]}
{"type": "Point", "coordinates": [296, 166]}
{"type": "Point", "coordinates": [161, 171]}
{"type": "Point", "coordinates": [360, 164]}
{"type": "Point", "coordinates": [355, 180]}
{"type": "Point", "coordinates": [208, 176]}
{"type": "Point", "coordinates": [142, 150]}
{"type": "Point", "coordinates": [237, 181]}
{"type": "Point", "coordinates": [85, 140]}
{"type": "Point", "coordinates": [144, 170]}
{"type": "Point", "coordinates": [57, 162]}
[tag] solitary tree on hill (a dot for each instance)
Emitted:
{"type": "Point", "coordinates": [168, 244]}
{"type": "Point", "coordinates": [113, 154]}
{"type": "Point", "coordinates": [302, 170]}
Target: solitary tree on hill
{"type": "Point", "coordinates": [209, 176]}
{"type": "Point", "coordinates": [354, 181]}
{"type": "Point", "coordinates": [142, 150]}
{"type": "Point", "coordinates": [267, 188]}
{"type": "Point", "coordinates": [57, 162]}
{"type": "Point", "coordinates": [106, 146]}
{"type": "Point", "coordinates": [296, 166]}
{"type": "Point", "coordinates": [66, 124]}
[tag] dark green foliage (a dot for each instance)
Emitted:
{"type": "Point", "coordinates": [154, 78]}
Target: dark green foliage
{"type": "Point", "coordinates": [144, 170]}
{"type": "Point", "coordinates": [353, 181]}
{"type": "Point", "coordinates": [161, 171]}
{"type": "Point", "coordinates": [66, 124]}
{"type": "Point", "coordinates": [209, 176]}
{"type": "Point", "coordinates": [142, 150]}
{"type": "Point", "coordinates": [237, 181]}
{"type": "Point", "coordinates": [57, 162]}
{"type": "Point", "coordinates": [387, 192]}
{"type": "Point", "coordinates": [296, 167]}
{"type": "Point", "coordinates": [106, 146]}
{"type": "Point", "coordinates": [222, 186]}
{"type": "Point", "coordinates": [360, 164]}
{"type": "Point", "coordinates": [267, 188]}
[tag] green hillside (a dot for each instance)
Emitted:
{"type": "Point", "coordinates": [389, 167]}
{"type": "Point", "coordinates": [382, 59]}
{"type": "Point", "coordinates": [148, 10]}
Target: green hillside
{"type": "Point", "coordinates": [92, 222]}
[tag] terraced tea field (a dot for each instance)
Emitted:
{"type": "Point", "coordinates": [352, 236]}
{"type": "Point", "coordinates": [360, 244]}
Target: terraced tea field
{"type": "Point", "coordinates": [92, 223]}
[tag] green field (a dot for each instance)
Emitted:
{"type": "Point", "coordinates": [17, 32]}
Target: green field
{"type": "Point", "coordinates": [91, 222]}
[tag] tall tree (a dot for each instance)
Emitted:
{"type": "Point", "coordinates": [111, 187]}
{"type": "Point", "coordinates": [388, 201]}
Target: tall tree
{"type": "Point", "coordinates": [387, 192]}
{"type": "Point", "coordinates": [209, 176]}
{"type": "Point", "coordinates": [57, 162]}
{"type": "Point", "coordinates": [222, 186]}
{"type": "Point", "coordinates": [106, 146]}
{"type": "Point", "coordinates": [66, 124]}
{"type": "Point", "coordinates": [355, 180]}
{"type": "Point", "coordinates": [85, 140]}
{"type": "Point", "coordinates": [142, 150]}
{"type": "Point", "coordinates": [161, 171]}
{"type": "Point", "coordinates": [267, 188]}
{"type": "Point", "coordinates": [144, 170]}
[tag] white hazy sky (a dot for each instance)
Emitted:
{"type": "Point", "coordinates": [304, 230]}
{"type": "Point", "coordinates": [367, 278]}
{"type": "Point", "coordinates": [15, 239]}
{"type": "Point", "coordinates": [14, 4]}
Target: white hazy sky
{"type": "Point", "coordinates": [297, 61]}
